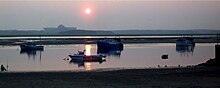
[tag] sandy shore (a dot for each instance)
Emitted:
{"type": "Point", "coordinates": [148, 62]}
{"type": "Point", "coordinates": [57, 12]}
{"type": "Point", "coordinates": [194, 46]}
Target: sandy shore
{"type": "Point", "coordinates": [199, 77]}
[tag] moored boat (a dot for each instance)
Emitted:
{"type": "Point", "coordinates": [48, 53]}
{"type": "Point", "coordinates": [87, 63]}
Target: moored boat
{"type": "Point", "coordinates": [110, 43]}
{"type": "Point", "coordinates": [185, 41]}
{"type": "Point", "coordinates": [81, 56]}
{"type": "Point", "coordinates": [30, 46]}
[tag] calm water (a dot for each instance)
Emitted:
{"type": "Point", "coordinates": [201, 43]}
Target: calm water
{"type": "Point", "coordinates": [54, 57]}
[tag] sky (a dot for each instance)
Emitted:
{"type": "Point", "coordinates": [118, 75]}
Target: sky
{"type": "Point", "coordinates": [110, 14]}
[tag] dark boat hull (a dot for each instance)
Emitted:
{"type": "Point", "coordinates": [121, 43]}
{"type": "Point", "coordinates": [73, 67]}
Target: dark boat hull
{"type": "Point", "coordinates": [110, 46]}
{"type": "Point", "coordinates": [87, 58]}
{"type": "Point", "coordinates": [31, 47]}
{"type": "Point", "coordinates": [80, 60]}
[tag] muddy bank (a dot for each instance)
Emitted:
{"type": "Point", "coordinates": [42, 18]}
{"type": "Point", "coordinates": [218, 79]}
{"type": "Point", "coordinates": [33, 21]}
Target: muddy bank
{"type": "Point", "coordinates": [199, 77]}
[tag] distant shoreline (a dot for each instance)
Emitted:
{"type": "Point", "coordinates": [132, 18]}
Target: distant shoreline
{"type": "Point", "coordinates": [167, 34]}
{"type": "Point", "coordinates": [93, 40]}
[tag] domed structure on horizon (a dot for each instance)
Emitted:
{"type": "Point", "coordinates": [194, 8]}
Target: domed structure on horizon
{"type": "Point", "coordinates": [60, 28]}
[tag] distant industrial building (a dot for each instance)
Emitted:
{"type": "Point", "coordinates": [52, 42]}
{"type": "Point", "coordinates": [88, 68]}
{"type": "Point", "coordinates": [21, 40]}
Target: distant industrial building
{"type": "Point", "coordinates": [60, 28]}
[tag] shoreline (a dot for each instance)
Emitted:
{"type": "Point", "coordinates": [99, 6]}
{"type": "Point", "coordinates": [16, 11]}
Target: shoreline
{"type": "Point", "coordinates": [55, 41]}
{"type": "Point", "coordinates": [199, 77]}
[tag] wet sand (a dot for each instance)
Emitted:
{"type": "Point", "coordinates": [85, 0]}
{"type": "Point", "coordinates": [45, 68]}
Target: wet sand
{"type": "Point", "coordinates": [192, 77]}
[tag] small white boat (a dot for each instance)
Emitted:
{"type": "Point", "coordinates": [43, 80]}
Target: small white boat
{"type": "Point", "coordinates": [185, 41]}
{"type": "Point", "coordinates": [81, 56]}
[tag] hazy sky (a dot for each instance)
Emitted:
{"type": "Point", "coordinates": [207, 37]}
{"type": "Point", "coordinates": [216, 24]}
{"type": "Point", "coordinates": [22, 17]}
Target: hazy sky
{"type": "Point", "coordinates": [111, 14]}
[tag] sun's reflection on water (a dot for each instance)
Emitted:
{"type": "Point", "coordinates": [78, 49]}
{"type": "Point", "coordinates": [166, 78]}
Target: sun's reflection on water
{"type": "Point", "coordinates": [88, 50]}
{"type": "Point", "coordinates": [87, 66]}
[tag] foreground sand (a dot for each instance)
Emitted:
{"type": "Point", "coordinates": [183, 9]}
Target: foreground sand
{"type": "Point", "coordinates": [139, 78]}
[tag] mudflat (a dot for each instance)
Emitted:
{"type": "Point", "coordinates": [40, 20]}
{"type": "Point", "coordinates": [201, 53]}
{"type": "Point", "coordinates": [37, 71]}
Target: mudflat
{"type": "Point", "coordinates": [188, 77]}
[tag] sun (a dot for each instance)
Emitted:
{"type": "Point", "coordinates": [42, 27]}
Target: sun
{"type": "Point", "coordinates": [88, 11]}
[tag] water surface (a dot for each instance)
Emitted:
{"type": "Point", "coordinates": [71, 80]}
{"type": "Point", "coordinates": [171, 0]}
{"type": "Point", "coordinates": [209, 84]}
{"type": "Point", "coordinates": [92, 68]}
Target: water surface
{"type": "Point", "coordinates": [54, 57]}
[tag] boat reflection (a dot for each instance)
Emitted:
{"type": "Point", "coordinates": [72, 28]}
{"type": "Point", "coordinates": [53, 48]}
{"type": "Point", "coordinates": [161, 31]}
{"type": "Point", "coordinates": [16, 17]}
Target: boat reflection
{"type": "Point", "coordinates": [185, 50]}
{"type": "Point", "coordinates": [88, 66]}
{"type": "Point", "coordinates": [109, 52]}
{"type": "Point", "coordinates": [31, 53]}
